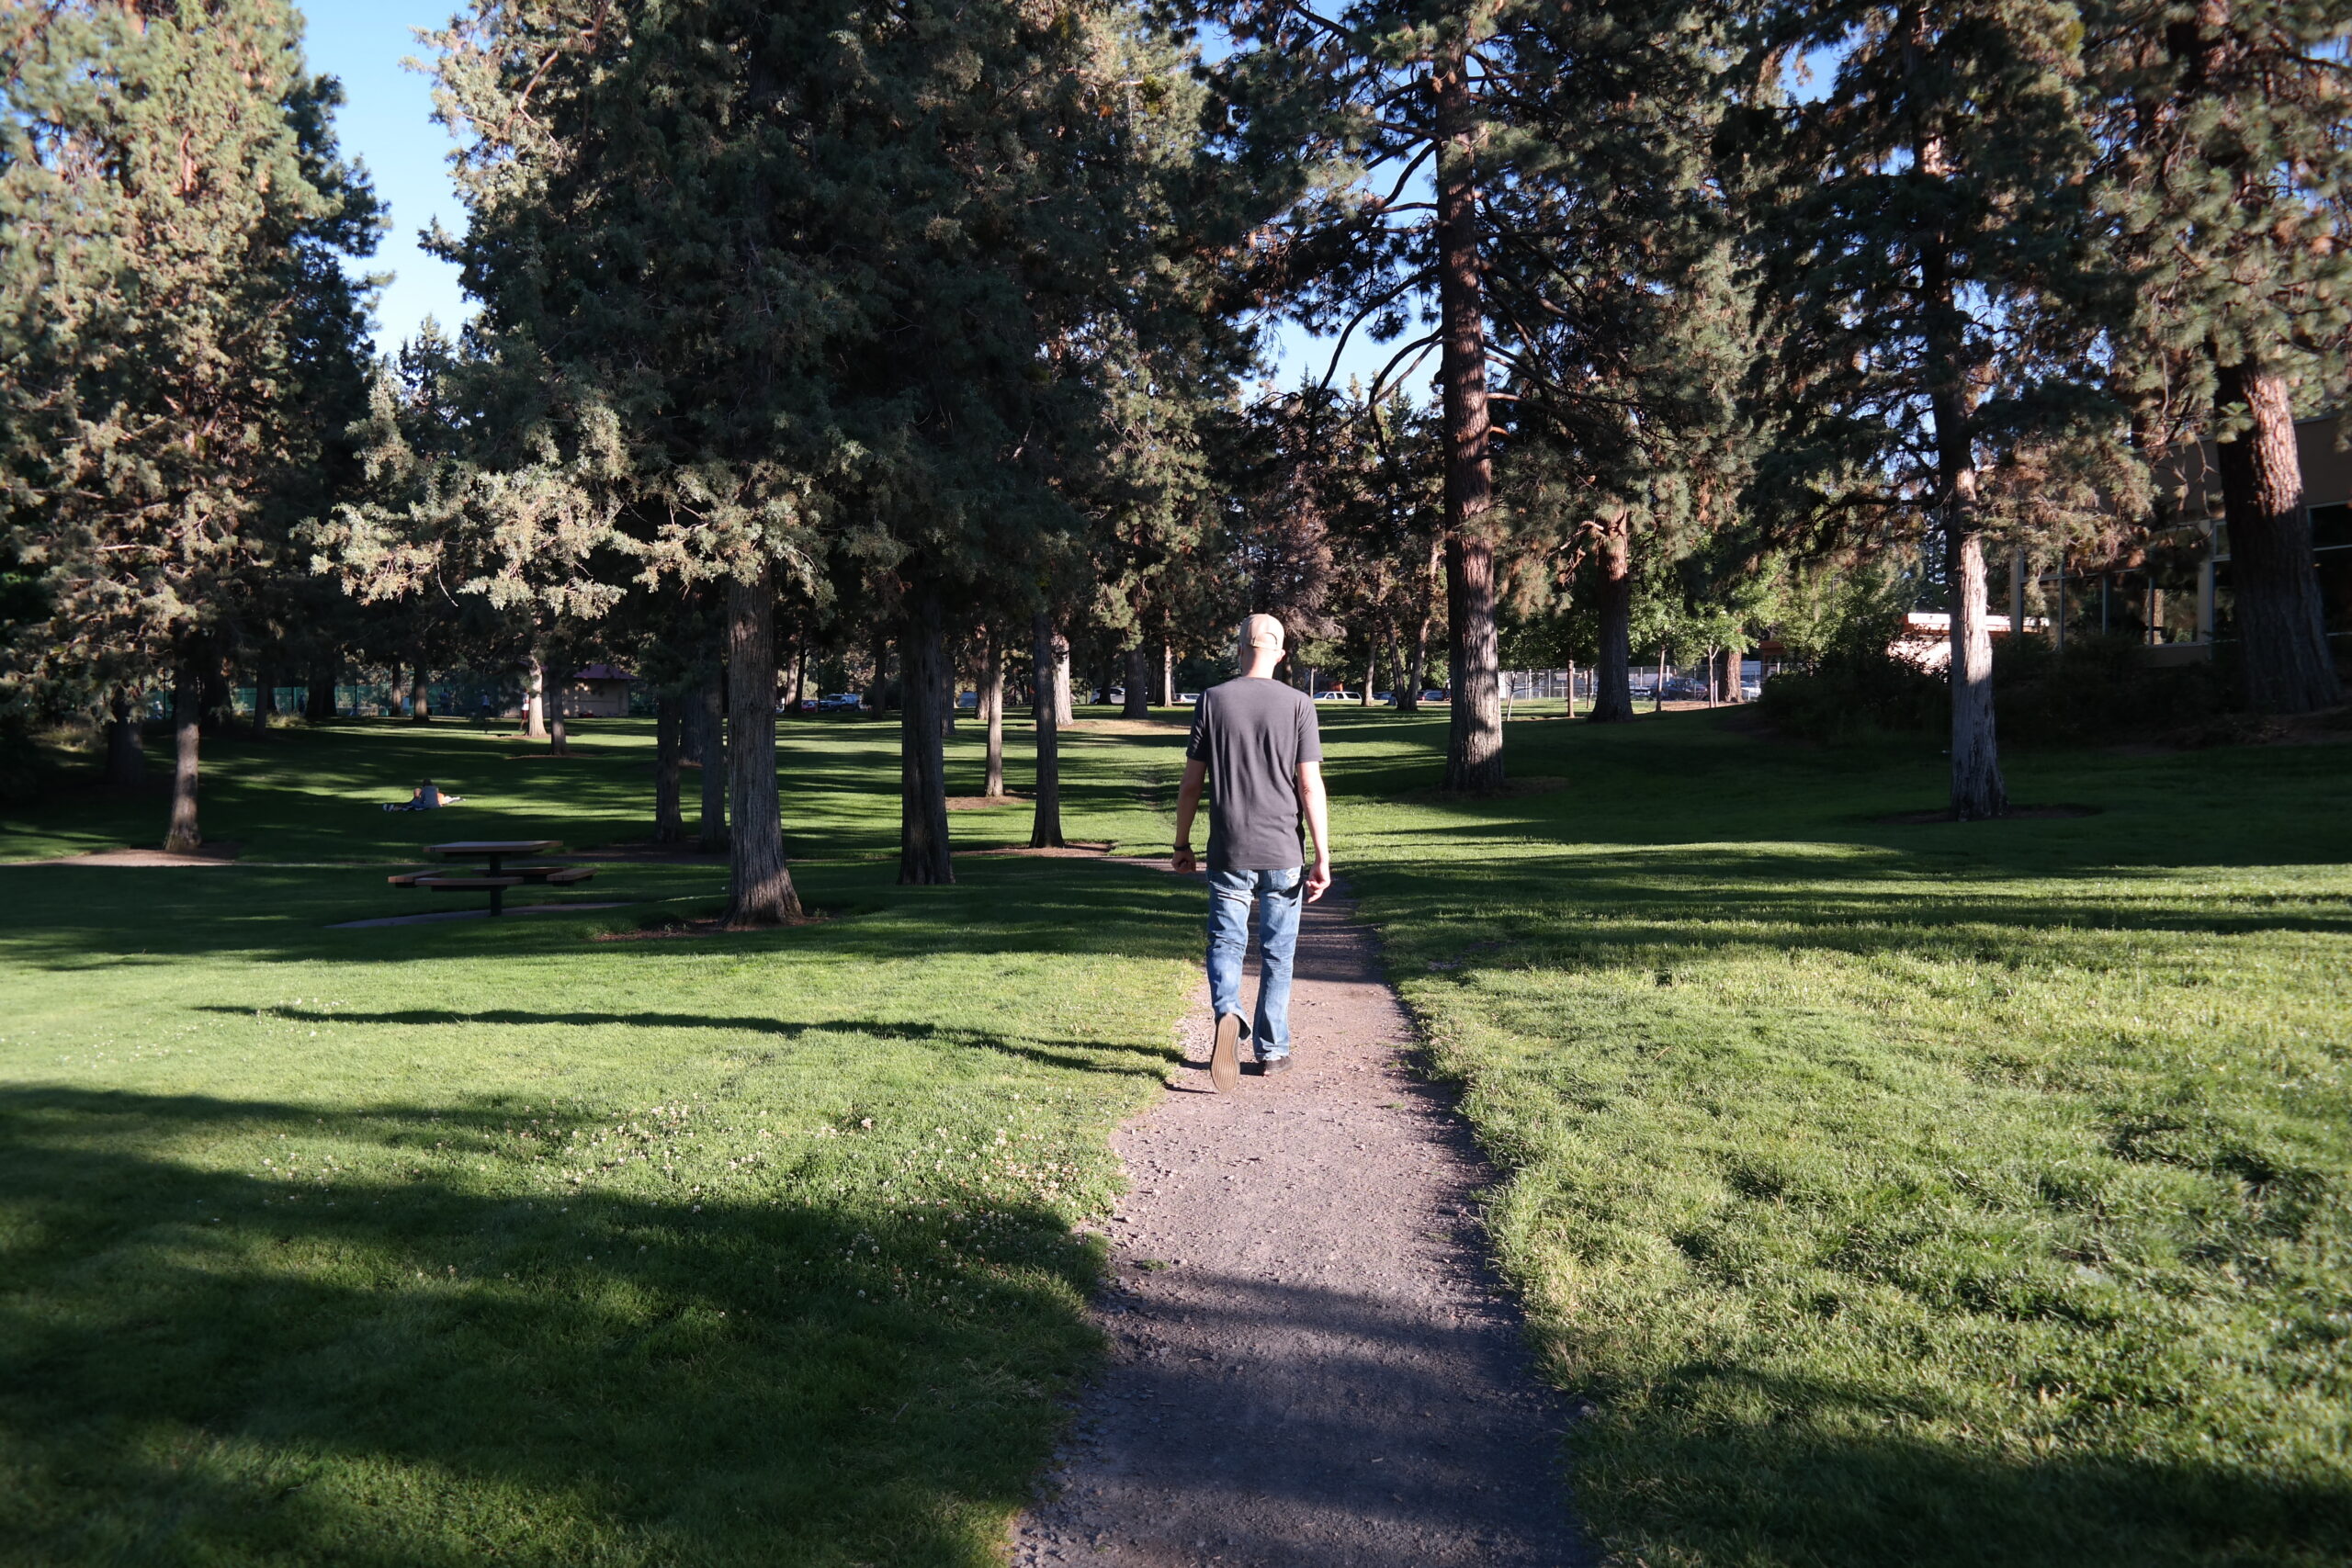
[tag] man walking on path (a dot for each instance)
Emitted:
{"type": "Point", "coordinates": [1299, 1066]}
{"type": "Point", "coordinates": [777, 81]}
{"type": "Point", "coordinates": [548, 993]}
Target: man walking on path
{"type": "Point", "coordinates": [1257, 738]}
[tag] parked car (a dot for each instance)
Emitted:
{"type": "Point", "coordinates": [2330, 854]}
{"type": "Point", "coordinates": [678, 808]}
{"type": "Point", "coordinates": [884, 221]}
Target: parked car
{"type": "Point", "coordinates": [1186, 699]}
{"type": "Point", "coordinates": [1436, 694]}
{"type": "Point", "coordinates": [841, 702]}
{"type": "Point", "coordinates": [968, 700]}
{"type": "Point", "coordinates": [1335, 696]}
{"type": "Point", "coordinates": [1388, 697]}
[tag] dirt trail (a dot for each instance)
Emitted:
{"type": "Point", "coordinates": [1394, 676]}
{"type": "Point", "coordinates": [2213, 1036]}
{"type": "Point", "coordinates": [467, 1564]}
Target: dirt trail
{"type": "Point", "coordinates": [1311, 1364]}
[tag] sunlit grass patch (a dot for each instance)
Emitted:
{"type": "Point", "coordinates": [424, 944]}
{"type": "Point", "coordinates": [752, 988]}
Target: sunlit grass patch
{"type": "Point", "coordinates": [485, 1241]}
{"type": "Point", "coordinates": [1941, 1199]}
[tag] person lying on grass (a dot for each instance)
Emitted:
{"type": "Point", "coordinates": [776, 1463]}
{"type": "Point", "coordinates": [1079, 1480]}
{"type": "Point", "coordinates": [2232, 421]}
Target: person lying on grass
{"type": "Point", "coordinates": [1258, 740]}
{"type": "Point", "coordinates": [428, 797]}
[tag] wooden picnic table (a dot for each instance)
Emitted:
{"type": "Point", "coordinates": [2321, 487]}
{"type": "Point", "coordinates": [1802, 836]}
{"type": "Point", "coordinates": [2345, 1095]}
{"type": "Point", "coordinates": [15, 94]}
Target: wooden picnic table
{"type": "Point", "coordinates": [497, 876]}
{"type": "Point", "coordinates": [492, 850]}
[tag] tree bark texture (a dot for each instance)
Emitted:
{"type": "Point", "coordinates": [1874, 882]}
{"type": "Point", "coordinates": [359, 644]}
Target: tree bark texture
{"type": "Point", "coordinates": [710, 748]}
{"type": "Point", "coordinates": [1977, 788]}
{"type": "Point", "coordinates": [1612, 672]}
{"type": "Point", "coordinates": [1474, 758]}
{"type": "Point", "coordinates": [993, 711]}
{"type": "Point", "coordinates": [2282, 623]}
{"type": "Point", "coordinates": [1137, 704]}
{"type": "Point", "coordinates": [317, 700]}
{"type": "Point", "coordinates": [759, 884]}
{"type": "Point", "coordinates": [535, 702]}
{"type": "Point", "coordinates": [126, 750]}
{"type": "Point", "coordinates": [669, 815]}
{"type": "Point", "coordinates": [923, 859]}
{"type": "Point", "coordinates": [420, 701]}
{"type": "Point", "coordinates": [181, 833]}
{"type": "Point", "coordinates": [1416, 658]}
{"type": "Point", "coordinates": [877, 690]}
{"type": "Point", "coordinates": [559, 740]}
{"type": "Point", "coordinates": [1050, 695]}
{"type": "Point", "coordinates": [1166, 695]}
{"type": "Point", "coordinates": [1064, 713]}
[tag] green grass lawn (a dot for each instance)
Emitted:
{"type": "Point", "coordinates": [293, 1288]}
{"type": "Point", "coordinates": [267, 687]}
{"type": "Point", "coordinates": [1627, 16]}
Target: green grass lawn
{"type": "Point", "coordinates": [1894, 1194]}
{"type": "Point", "coordinates": [1910, 1195]}
{"type": "Point", "coordinates": [485, 1241]}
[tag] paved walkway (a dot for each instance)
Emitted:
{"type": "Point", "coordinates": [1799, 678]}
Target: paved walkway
{"type": "Point", "coordinates": [1312, 1365]}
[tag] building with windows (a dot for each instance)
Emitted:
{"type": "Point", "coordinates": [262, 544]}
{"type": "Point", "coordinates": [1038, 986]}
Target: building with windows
{"type": "Point", "coordinates": [2173, 594]}
{"type": "Point", "coordinates": [599, 691]}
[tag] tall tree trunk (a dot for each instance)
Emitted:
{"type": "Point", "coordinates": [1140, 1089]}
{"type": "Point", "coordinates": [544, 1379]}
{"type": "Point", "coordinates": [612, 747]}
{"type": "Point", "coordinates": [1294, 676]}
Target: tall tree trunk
{"type": "Point", "coordinates": [1474, 758]}
{"type": "Point", "coordinates": [1977, 789]}
{"type": "Point", "coordinates": [992, 709]}
{"type": "Point", "coordinates": [181, 834]}
{"type": "Point", "coordinates": [1138, 698]}
{"type": "Point", "coordinates": [1051, 694]}
{"type": "Point", "coordinates": [710, 736]}
{"type": "Point", "coordinates": [759, 884]}
{"type": "Point", "coordinates": [265, 697]}
{"type": "Point", "coordinates": [669, 815]}
{"type": "Point", "coordinates": [947, 681]}
{"type": "Point", "coordinates": [218, 709]}
{"type": "Point", "coordinates": [877, 690]}
{"type": "Point", "coordinates": [1064, 715]}
{"type": "Point", "coordinates": [1417, 649]}
{"type": "Point", "coordinates": [558, 702]}
{"type": "Point", "coordinates": [420, 701]}
{"type": "Point", "coordinates": [798, 679]}
{"type": "Point", "coordinates": [534, 702]}
{"type": "Point", "coordinates": [126, 751]}
{"type": "Point", "coordinates": [318, 699]}
{"type": "Point", "coordinates": [1658, 692]}
{"type": "Point", "coordinates": [1166, 695]}
{"type": "Point", "coordinates": [923, 859]}
{"type": "Point", "coordinates": [1612, 672]}
{"type": "Point", "coordinates": [1371, 675]}
{"type": "Point", "coordinates": [2282, 623]}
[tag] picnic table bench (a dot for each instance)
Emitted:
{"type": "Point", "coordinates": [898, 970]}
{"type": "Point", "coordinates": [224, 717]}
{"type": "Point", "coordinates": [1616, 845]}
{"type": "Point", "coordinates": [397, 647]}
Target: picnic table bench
{"type": "Point", "coordinates": [495, 877]}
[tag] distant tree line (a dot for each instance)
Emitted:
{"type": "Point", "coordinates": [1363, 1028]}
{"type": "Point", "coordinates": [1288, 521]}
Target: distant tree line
{"type": "Point", "coordinates": [928, 343]}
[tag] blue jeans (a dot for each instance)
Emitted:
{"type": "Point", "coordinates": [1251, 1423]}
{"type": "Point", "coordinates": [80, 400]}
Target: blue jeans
{"type": "Point", "coordinates": [1280, 895]}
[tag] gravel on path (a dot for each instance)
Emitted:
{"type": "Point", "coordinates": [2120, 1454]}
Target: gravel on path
{"type": "Point", "coordinates": [1311, 1363]}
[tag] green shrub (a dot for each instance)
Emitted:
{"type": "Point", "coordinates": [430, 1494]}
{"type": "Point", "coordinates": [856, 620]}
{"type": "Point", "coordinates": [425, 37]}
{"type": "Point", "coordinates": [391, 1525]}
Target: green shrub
{"type": "Point", "coordinates": [2097, 689]}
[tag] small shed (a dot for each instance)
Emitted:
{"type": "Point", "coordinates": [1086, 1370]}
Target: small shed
{"type": "Point", "coordinates": [599, 691]}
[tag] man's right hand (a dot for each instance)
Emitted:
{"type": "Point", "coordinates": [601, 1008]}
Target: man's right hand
{"type": "Point", "coordinates": [1182, 858]}
{"type": "Point", "coordinates": [1319, 880]}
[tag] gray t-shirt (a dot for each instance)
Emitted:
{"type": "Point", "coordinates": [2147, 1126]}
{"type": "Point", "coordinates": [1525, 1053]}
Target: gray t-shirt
{"type": "Point", "coordinates": [1253, 733]}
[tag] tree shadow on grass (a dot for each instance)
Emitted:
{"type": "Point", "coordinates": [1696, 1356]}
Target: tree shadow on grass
{"type": "Point", "coordinates": [1082, 1056]}
{"type": "Point", "coordinates": [1685, 1473]}
{"type": "Point", "coordinates": [70, 916]}
{"type": "Point", "coordinates": [399, 1365]}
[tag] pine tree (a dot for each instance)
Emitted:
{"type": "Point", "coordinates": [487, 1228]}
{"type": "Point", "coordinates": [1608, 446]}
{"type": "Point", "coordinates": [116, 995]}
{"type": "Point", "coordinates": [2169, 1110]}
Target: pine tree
{"type": "Point", "coordinates": [171, 207]}
{"type": "Point", "coordinates": [1933, 282]}
{"type": "Point", "coordinates": [2230, 174]}
{"type": "Point", "coordinates": [1383, 88]}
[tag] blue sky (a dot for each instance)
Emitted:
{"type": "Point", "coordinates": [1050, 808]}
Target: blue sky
{"type": "Point", "coordinates": [387, 124]}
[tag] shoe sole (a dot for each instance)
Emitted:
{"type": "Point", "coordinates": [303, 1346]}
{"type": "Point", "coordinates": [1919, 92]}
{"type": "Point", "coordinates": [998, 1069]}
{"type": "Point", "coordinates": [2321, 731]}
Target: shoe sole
{"type": "Point", "coordinates": [1224, 1056]}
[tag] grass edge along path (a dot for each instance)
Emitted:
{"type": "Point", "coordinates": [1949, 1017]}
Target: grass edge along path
{"type": "Point", "coordinates": [1973, 1195]}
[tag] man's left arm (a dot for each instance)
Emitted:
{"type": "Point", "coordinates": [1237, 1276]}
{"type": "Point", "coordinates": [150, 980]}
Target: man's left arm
{"type": "Point", "coordinates": [1188, 805]}
{"type": "Point", "coordinates": [1319, 828]}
